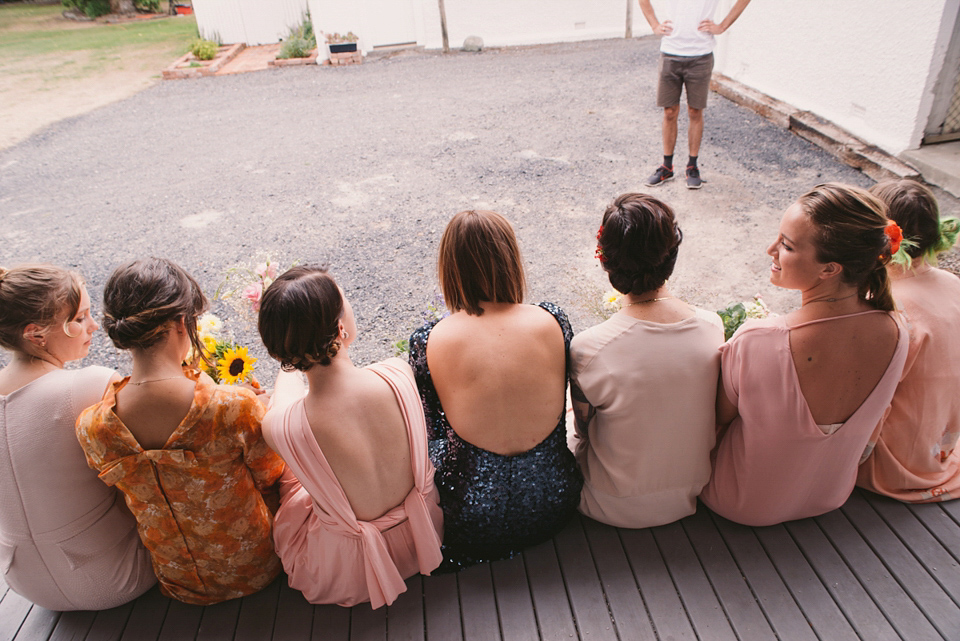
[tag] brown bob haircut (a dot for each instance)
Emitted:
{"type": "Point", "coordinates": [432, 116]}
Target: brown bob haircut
{"type": "Point", "coordinates": [299, 318]}
{"type": "Point", "coordinates": [479, 262]}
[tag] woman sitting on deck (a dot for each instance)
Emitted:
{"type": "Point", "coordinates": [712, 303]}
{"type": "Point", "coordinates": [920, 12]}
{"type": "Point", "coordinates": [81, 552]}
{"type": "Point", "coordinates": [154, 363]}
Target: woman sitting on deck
{"type": "Point", "coordinates": [803, 393]}
{"type": "Point", "coordinates": [362, 514]}
{"type": "Point", "coordinates": [493, 377]}
{"type": "Point", "coordinates": [644, 382]}
{"type": "Point", "coordinates": [187, 452]}
{"type": "Point", "coordinates": [916, 457]}
{"type": "Point", "coordinates": [66, 540]}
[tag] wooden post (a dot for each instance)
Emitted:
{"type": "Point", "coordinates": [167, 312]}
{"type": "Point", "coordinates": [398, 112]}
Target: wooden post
{"type": "Point", "coordinates": [443, 27]}
{"type": "Point", "coordinates": [629, 32]}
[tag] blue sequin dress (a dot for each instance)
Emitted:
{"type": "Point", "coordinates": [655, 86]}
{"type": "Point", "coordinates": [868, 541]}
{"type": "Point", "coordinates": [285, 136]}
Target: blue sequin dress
{"type": "Point", "coordinates": [496, 505]}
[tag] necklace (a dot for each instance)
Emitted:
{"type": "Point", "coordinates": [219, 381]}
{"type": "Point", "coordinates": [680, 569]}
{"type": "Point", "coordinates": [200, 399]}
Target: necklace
{"type": "Point", "coordinates": [832, 300]}
{"type": "Point", "coordinates": [155, 380]}
{"type": "Point", "coordinates": [649, 300]}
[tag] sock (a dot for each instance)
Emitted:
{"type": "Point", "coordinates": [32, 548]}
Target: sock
{"type": "Point", "coordinates": [692, 162]}
{"type": "Point", "coordinates": [668, 161]}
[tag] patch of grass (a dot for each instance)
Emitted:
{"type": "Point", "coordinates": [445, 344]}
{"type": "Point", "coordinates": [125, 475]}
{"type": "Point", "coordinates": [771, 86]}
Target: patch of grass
{"type": "Point", "coordinates": [30, 30]}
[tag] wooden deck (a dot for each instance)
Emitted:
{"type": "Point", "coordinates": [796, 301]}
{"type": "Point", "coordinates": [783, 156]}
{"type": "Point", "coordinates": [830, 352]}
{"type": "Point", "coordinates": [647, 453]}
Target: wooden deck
{"type": "Point", "coordinates": [875, 569]}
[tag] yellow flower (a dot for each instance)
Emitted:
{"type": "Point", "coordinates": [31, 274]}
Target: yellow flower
{"type": "Point", "coordinates": [209, 345]}
{"type": "Point", "coordinates": [235, 366]}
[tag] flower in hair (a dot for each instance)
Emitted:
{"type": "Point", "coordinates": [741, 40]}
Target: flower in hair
{"type": "Point", "coordinates": [894, 233]}
{"type": "Point", "coordinates": [599, 253]}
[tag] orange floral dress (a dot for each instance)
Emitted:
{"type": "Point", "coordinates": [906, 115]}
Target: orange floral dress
{"type": "Point", "coordinates": [198, 501]}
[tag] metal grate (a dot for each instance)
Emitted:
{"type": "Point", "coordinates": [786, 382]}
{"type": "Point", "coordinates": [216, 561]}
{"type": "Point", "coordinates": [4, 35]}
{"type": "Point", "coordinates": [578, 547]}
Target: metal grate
{"type": "Point", "coordinates": [951, 123]}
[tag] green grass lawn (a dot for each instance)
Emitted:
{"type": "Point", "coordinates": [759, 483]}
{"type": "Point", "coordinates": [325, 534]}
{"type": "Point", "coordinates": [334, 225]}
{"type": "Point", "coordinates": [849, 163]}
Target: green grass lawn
{"type": "Point", "coordinates": [28, 30]}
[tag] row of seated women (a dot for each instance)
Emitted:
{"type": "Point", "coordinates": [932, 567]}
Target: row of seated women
{"type": "Point", "coordinates": [357, 478]}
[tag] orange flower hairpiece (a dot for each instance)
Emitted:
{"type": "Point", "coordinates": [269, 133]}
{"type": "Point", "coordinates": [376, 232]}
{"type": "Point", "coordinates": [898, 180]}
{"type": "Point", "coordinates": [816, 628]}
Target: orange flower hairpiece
{"type": "Point", "coordinates": [895, 234]}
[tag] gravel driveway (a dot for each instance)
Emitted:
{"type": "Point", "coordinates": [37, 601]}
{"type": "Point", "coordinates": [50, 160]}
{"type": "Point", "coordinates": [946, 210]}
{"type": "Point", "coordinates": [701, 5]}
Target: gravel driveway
{"type": "Point", "coordinates": [361, 167]}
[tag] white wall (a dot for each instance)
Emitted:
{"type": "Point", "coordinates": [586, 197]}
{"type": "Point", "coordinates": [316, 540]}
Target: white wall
{"type": "Point", "coordinates": [867, 65]}
{"type": "Point", "coordinates": [253, 22]}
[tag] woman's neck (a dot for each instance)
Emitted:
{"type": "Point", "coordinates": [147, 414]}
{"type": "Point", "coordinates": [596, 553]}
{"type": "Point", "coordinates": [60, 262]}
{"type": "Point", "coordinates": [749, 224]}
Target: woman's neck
{"type": "Point", "coordinates": [837, 298]}
{"type": "Point", "coordinates": [321, 377]}
{"type": "Point", "coordinates": [651, 296]}
{"type": "Point", "coordinates": [155, 363]}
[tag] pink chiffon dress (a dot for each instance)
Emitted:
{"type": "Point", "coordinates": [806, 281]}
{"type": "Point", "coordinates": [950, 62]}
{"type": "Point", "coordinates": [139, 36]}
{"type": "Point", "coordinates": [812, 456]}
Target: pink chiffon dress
{"type": "Point", "coordinates": [774, 463]}
{"type": "Point", "coordinates": [330, 555]}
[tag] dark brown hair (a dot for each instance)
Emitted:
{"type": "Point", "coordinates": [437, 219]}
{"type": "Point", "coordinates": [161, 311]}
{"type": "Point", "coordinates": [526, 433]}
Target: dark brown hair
{"type": "Point", "coordinates": [36, 294]}
{"type": "Point", "coordinates": [914, 208]}
{"type": "Point", "coordinates": [479, 261]}
{"type": "Point", "coordinates": [299, 319]}
{"type": "Point", "coordinates": [143, 297]}
{"type": "Point", "coordinates": [638, 243]}
{"type": "Point", "coordinates": [849, 230]}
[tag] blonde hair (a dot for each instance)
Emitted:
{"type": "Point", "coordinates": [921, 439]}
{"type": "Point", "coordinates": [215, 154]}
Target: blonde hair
{"type": "Point", "coordinates": [38, 294]}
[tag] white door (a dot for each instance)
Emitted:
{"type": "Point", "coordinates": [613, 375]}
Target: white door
{"type": "Point", "coordinates": [390, 22]}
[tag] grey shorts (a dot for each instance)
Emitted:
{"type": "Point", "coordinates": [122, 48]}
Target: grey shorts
{"type": "Point", "coordinates": [678, 71]}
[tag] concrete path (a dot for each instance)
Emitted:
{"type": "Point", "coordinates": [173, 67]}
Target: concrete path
{"type": "Point", "coordinates": [361, 167]}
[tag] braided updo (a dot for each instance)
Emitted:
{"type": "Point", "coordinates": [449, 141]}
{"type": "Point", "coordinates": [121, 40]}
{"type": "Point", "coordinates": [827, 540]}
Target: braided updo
{"type": "Point", "coordinates": [36, 294]}
{"type": "Point", "coordinates": [143, 298]}
{"type": "Point", "coordinates": [299, 319]}
{"type": "Point", "coordinates": [638, 243]}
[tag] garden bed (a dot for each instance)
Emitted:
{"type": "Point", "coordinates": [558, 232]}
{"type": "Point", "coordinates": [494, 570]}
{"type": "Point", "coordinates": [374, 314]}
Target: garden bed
{"type": "Point", "coordinates": [188, 66]}
{"type": "Point", "coordinates": [292, 62]}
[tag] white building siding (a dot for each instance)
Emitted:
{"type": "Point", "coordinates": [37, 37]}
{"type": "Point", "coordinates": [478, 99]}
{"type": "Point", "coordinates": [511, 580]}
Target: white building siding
{"type": "Point", "coordinates": [253, 22]}
{"type": "Point", "coordinates": [867, 65]}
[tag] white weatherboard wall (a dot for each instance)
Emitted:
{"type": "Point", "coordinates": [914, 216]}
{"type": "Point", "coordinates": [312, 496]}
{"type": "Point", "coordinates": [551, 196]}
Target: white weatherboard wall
{"type": "Point", "coordinates": [253, 22]}
{"type": "Point", "coordinates": [869, 66]}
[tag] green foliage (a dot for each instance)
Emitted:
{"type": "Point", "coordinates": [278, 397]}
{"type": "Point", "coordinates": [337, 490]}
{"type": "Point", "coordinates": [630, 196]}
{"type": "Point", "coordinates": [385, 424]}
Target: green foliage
{"type": "Point", "coordinates": [204, 49]}
{"type": "Point", "coordinates": [733, 317]}
{"type": "Point", "coordinates": [90, 8]}
{"type": "Point", "coordinates": [152, 6]}
{"type": "Point", "coordinates": [300, 42]}
{"type": "Point", "coordinates": [401, 347]}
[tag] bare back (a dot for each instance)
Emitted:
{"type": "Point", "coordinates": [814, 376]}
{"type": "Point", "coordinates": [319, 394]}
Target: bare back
{"type": "Point", "coordinates": [152, 412]}
{"type": "Point", "coordinates": [501, 376]}
{"type": "Point", "coordinates": [839, 362]}
{"type": "Point", "coordinates": [359, 426]}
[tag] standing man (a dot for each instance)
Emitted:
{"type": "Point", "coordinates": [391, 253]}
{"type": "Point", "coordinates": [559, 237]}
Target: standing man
{"type": "Point", "coordinates": [686, 59]}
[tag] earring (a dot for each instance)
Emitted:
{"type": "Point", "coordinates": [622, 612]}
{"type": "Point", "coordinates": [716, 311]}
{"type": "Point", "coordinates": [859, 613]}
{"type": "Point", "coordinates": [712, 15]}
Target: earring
{"type": "Point", "coordinates": [345, 334]}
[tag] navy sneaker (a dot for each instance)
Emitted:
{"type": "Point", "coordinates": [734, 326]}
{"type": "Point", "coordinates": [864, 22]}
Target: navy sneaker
{"type": "Point", "coordinates": [693, 178]}
{"type": "Point", "coordinates": [660, 176]}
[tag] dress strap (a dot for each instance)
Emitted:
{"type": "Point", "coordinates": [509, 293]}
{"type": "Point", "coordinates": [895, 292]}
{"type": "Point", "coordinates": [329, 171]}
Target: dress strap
{"type": "Point", "coordinates": [823, 320]}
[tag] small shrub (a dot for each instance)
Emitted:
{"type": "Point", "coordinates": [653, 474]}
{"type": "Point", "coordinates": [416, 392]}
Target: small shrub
{"type": "Point", "coordinates": [90, 8]}
{"type": "Point", "coordinates": [204, 49]}
{"type": "Point", "coordinates": [296, 48]}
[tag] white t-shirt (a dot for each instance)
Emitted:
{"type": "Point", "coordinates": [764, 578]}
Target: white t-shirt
{"type": "Point", "coordinates": [686, 16]}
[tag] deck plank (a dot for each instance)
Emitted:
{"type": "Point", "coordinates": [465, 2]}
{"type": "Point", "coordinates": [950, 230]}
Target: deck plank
{"type": "Point", "coordinates": [819, 608]}
{"type": "Point", "coordinates": [405, 615]}
{"type": "Point", "coordinates": [478, 604]}
{"type": "Point", "coordinates": [182, 622]}
{"type": "Point", "coordinates": [258, 612]}
{"type": "Point", "coordinates": [514, 603]}
{"type": "Point", "coordinates": [550, 602]}
{"type": "Point", "coordinates": [705, 612]}
{"type": "Point", "coordinates": [219, 622]}
{"type": "Point", "coordinates": [147, 616]}
{"type": "Point", "coordinates": [773, 596]}
{"type": "Point", "coordinates": [656, 587]}
{"type": "Point", "coordinates": [13, 611]}
{"type": "Point", "coordinates": [585, 592]}
{"type": "Point", "coordinates": [920, 565]}
{"type": "Point", "coordinates": [294, 614]}
{"type": "Point", "coordinates": [110, 624]}
{"type": "Point", "coordinates": [741, 607]}
{"type": "Point", "coordinates": [898, 607]}
{"type": "Point", "coordinates": [367, 624]}
{"type": "Point", "coordinates": [73, 626]}
{"type": "Point", "coordinates": [936, 559]}
{"type": "Point", "coordinates": [629, 613]}
{"type": "Point", "coordinates": [952, 508]}
{"type": "Point", "coordinates": [330, 622]}
{"type": "Point", "coordinates": [442, 607]}
{"type": "Point", "coordinates": [39, 624]}
{"type": "Point", "coordinates": [943, 528]}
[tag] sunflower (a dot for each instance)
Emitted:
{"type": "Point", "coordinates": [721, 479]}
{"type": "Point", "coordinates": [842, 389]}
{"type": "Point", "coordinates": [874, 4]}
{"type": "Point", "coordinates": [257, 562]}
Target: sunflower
{"type": "Point", "coordinates": [235, 365]}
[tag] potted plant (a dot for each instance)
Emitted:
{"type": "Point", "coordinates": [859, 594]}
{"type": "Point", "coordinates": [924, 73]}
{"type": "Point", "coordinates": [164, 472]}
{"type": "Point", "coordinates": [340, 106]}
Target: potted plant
{"type": "Point", "coordinates": [342, 44]}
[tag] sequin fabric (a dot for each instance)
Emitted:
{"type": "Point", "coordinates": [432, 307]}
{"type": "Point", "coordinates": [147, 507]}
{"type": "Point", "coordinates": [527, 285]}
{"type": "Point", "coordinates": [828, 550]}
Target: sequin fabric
{"type": "Point", "coordinates": [495, 505]}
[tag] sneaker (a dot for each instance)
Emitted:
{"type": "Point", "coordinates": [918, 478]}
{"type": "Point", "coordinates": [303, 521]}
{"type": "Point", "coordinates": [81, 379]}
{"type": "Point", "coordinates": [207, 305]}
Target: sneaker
{"type": "Point", "coordinates": [660, 176]}
{"type": "Point", "coordinates": [693, 178]}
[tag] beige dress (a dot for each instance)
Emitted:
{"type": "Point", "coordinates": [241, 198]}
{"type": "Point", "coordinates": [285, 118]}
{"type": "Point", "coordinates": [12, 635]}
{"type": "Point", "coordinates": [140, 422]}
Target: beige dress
{"type": "Point", "coordinates": [646, 452]}
{"type": "Point", "coordinates": [66, 540]}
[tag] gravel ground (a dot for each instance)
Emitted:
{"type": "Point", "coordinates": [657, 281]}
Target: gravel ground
{"type": "Point", "coordinates": [361, 167]}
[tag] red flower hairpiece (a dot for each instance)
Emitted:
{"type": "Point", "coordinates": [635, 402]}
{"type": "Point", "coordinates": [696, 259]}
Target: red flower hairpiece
{"type": "Point", "coordinates": [599, 253]}
{"type": "Point", "coordinates": [895, 234]}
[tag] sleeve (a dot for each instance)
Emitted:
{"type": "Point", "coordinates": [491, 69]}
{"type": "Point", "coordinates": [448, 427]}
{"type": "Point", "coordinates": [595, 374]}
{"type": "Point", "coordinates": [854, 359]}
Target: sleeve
{"type": "Point", "coordinates": [86, 425]}
{"type": "Point", "coordinates": [730, 364]}
{"type": "Point", "coordinates": [564, 322]}
{"type": "Point", "coordinates": [264, 464]}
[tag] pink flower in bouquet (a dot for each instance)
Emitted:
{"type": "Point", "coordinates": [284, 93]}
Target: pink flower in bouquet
{"type": "Point", "coordinates": [267, 270]}
{"type": "Point", "coordinates": [252, 293]}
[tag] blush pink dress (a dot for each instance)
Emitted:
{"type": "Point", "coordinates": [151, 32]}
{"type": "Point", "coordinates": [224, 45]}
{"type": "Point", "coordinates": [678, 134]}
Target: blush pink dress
{"type": "Point", "coordinates": [330, 555]}
{"type": "Point", "coordinates": [774, 463]}
{"type": "Point", "coordinates": [916, 457]}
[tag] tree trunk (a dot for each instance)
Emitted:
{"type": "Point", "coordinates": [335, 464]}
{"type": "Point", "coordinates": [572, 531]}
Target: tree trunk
{"type": "Point", "coordinates": [122, 6]}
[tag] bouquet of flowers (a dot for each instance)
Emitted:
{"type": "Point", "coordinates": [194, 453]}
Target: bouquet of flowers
{"type": "Point", "coordinates": [736, 314]}
{"type": "Point", "coordinates": [231, 363]}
